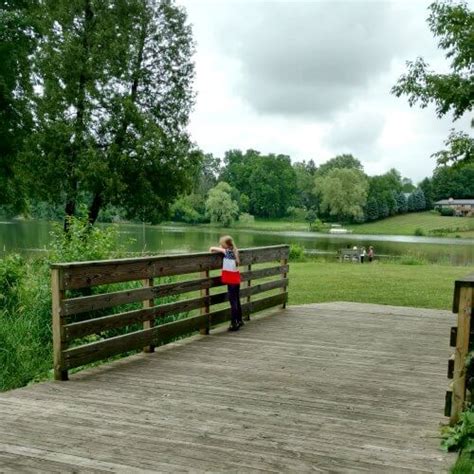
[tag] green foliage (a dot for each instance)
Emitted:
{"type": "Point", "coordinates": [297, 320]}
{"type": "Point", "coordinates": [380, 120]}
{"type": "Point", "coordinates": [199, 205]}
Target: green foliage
{"type": "Point", "coordinates": [269, 181]}
{"type": "Point", "coordinates": [16, 44]}
{"type": "Point", "coordinates": [402, 203]}
{"type": "Point", "coordinates": [11, 274]}
{"type": "Point", "coordinates": [305, 196]}
{"type": "Point", "coordinates": [25, 310]}
{"type": "Point", "coordinates": [220, 207]}
{"type": "Point", "coordinates": [419, 232]}
{"type": "Point", "coordinates": [343, 193]}
{"type": "Point", "coordinates": [296, 253]}
{"type": "Point", "coordinates": [339, 162]}
{"type": "Point", "coordinates": [112, 107]}
{"type": "Point", "coordinates": [453, 182]}
{"type": "Point", "coordinates": [452, 23]}
{"type": "Point", "coordinates": [461, 436]}
{"type": "Point", "coordinates": [446, 211]}
{"type": "Point", "coordinates": [311, 217]}
{"type": "Point", "coordinates": [246, 219]}
{"type": "Point", "coordinates": [189, 208]}
{"type": "Point", "coordinates": [82, 242]}
{"type": "Point", "coordinates": [296, 213]}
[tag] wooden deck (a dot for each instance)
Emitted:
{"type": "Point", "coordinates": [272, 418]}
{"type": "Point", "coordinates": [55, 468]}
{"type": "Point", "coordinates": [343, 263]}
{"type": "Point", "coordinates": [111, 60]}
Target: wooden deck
{"type": "Point", "coordinates": [338, 387]}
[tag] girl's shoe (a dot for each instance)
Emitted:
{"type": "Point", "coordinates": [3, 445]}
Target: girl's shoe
{"type": "Point", "coordinates": [233, 327]}
{"type": "Point", "coordinates": [241, 323]}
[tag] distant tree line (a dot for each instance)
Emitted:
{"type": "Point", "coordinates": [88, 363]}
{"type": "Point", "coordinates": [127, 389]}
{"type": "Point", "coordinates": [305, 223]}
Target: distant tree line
{"type": "Point", "coordinates": [247, 184]}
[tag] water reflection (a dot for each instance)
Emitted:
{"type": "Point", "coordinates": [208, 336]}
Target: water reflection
{"type": "Point", "coordinates": [30, 236]}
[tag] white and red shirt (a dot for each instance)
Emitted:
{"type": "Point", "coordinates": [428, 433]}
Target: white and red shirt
{"type": "Point", "coordinates": [230, 273]}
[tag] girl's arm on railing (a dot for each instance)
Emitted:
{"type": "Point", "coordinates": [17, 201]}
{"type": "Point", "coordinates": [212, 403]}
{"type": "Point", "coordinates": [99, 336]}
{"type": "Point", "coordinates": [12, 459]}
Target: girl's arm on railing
{"type": "Point", "coordinates": [216, 250]}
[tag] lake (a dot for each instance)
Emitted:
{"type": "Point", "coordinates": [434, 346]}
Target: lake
{"type": "Point", "coordinates": [33, 236]}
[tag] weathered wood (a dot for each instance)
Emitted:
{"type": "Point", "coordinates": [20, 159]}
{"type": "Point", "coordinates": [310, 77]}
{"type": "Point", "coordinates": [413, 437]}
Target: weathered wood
{"type": "Point", "coordinates": [249, 284]}
{"type": "Point", "coordinates": [108, 300]}
{"type": "Point", "coordinates": [147, 324]}
{"type": "Point", "coordinates": [284, 263]}
{"type": "Point", "coordinates": [87, 353]}
{"type": "Point", "coordinates": [284, 394]}
{"type": "Point", "coordinates": [86, 274]}
{"type": "Point", "coordinates": [465, 282]}
{"type": "Point", "coordinates": [152, 313]}
{"type": "Point", "coordinates": [58, 331]}
{"type": "Point", "coordinates": [205, 309]}
{"type": "Point", "coordinates": [84, 354]}
{"type": "Point", "coordinates": [465, 305]}
{"type": "Point", "coordinates": [98, 325]}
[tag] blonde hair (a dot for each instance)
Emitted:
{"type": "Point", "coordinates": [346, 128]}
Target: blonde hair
{"type": "Point", "coordinates": [226, 241]}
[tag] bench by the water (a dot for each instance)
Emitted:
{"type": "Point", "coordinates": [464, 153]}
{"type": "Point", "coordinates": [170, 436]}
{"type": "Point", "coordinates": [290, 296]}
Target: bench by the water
{"type": "Point", "coordinates": [349, 255]}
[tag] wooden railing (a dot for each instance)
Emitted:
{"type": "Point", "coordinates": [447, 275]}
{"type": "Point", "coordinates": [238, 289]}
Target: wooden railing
{"type": "Point", "coordinates": [83, 294]}
{"type": "Point", "coordinates": [462, 338]}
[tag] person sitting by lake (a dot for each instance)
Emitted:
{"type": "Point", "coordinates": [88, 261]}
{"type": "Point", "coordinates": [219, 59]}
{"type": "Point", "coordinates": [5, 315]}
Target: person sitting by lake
{"type": "Point", "coordinates": [370, 254]}
{"type": "Point", "coordinates": [230, 276]}
{"type": "Point", "coordinates": [363, 254]}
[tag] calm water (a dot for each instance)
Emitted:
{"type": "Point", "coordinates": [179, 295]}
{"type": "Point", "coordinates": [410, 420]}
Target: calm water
{"type": "Point", "coordinates": [33, 236]}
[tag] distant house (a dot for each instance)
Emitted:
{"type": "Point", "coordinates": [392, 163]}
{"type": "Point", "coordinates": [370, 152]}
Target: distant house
{"type": "Point", "coordinates": [462, 207]}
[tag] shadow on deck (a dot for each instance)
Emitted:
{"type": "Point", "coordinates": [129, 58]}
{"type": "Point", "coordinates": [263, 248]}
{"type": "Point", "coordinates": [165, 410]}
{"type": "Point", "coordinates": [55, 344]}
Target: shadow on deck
{"type": "Point", "coordinates": [338, 387]}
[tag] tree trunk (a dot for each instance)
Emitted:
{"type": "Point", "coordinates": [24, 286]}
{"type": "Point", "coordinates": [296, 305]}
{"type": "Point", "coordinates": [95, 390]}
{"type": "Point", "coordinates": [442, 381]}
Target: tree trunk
{"type": "Point", "coordinates": [69, 212]}
{"type": "Point", "coordinates": [95, 208]}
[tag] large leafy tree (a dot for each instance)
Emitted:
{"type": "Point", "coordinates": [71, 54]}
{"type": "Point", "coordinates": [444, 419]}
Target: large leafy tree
{"type": "Point", "coordinates": [338, 162]}
{"type": "Point", "coordinates": [220, 207]}
{"type": "Point", "coordinates": [452, 92]}
{"type": "Point", "coordinates": [343, 193]}
{"type": "Point", "coordinates": [113, 99]}
{"type": "Point", "coordinates": [16, 44]}
{"type": "Point", "coordinates": [269, 181]}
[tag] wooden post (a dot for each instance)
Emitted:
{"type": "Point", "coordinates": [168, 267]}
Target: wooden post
{"type": "Point", "coordinates": [466, 302]}
{"type": "Point", "coordinates": [148, 283]}
{"type": "Point", "coordinates": [58, 328]}
{"type": "Point", "coordinates": [283, 261]}
{"type": "Point", "coordinates": [249, 298]}
{"type": "Point", "coordinates": [206, 308]}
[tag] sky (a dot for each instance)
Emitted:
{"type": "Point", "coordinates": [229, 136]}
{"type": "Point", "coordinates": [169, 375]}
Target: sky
{"type": "Point", "coordinates": [312, 79]}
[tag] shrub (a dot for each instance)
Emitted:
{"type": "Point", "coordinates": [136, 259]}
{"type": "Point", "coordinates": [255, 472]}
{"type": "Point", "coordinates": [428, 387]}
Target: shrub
{"type": "Point", "coordinates": [419, 232]}
{"type": "Point", "coordinates": [446, 211]}
{"type": "Point", "coordinates": [11, 274]}
{"type": "Point", "coordinates": [412, 260]}
{"type": "Point", "coordinates": [296, 213]}
{"type": "Point", "coordinates": [296, 253]}
{"type": "Point", "coordinates": [246, 219]}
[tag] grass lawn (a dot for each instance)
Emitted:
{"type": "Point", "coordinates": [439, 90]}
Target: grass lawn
{"type": "Point", "coordinates": [424, 286]}
{"type": "Point", "coordinates": [428, 222]}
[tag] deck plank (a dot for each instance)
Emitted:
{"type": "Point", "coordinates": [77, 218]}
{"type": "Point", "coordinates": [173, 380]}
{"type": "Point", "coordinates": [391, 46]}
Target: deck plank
{"type": "Point", "coordinates": [332, 387]}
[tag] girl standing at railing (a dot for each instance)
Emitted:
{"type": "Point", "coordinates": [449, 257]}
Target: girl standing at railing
{"type": "Point", "coordinates": [231, 277]}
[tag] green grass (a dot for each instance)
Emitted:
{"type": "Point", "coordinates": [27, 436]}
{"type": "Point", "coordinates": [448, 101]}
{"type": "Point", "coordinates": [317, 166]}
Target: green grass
{"type": "Point", "coordinates": [274, 225]}
{"type": "Point", "coordinates": [428, 222]}
{"type": "Point", "coordinates": [424, 286]}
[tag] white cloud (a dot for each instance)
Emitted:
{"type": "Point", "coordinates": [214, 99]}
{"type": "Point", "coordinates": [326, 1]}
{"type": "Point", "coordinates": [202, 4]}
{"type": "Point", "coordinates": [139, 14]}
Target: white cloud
{"type": "Point", "coordinates": [313, 79]}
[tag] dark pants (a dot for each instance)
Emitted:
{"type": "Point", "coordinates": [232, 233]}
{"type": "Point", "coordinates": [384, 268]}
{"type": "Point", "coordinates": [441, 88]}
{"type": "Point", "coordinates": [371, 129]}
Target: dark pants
{"type": "Point", "coordinates": [234, 300]}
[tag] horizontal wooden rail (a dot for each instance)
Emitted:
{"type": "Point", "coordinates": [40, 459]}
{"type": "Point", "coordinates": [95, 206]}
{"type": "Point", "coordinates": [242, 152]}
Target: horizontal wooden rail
{"type": "Point", "coordinates": [140, 314]}
{"type": "Point", "coordinates": [462, 339]}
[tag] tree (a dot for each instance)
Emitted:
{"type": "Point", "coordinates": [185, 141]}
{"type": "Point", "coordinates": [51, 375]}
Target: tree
{"type": "Point", "coordinates": [453, 182]}
{"type": "Point", "coordinates": [114, 99]}
{"type": "Point", "coordinates": [269, 181]}
{"type": "Point", "coordinates": [411, 203]}
{"type": "Point", "coordinates": [220, 207]}
{"type": "Point", "coordinates": [372, 210]}
{"type": "Point", "coordinates": [340, 162]}
{"type": "Point", "coordinates": [453, 92]}
{"type": "Point", "coordinates": [343, 193]}
{"type": "Point", "coordinates": [407, 185]}
{"type": "Point", "coordinates": [419, 201]}
{"type": "Point", "coordinates": [16, 44]}
{"type": "Point", "coordinates": [427, 187]}
{"type": "Point", "coordinates": [384, 210]}
{"type": "Point", "coordinates": [402, 203]}
{"type": "Point", "coordinates": [305, 184]}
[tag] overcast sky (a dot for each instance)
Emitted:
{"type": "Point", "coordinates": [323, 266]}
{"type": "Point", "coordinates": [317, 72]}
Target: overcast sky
{"type": "Point", "coordinates": [312, 79]}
